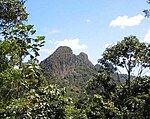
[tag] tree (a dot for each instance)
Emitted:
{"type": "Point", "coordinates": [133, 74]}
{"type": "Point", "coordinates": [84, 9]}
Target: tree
{"type": "Point", "coordinates": [136, 105]}
{"type": "Point", "coordinates": [12, 12]}
{"type": "Point", "coordinates": [147, 11]}
{"type": "Point", "coordinates": [129, 54]}
{"type": "Point", "coordinates": [44, 102]}
{"type": "Point", "coordinates": [101, 96]}
{"type": "Point", "coordinates": [23, 92]}
{"type": "Point", "coordinates": [102, 84]}
{"type": "Point", "coordinates": [16, 38]}
{"type": "Point", "coordinates": [17, 42]}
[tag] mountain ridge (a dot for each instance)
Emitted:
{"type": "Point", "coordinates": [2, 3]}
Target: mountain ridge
{"type": "Point", "coordinates": [68, 70]}
{"type": "Point", "coordinates": [63, 61]}
{"type": "Point", "coordinates": [71, 71]}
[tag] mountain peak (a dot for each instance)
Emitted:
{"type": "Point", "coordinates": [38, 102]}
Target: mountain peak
{"type": "Point", "coordinates": [63, 63]}
{"type": "Point", "coordinates": [83, 55]}
{"type": "Point", "coordinates": [68, 70]}
{"type": "Point", "coordinates": [63, 49]}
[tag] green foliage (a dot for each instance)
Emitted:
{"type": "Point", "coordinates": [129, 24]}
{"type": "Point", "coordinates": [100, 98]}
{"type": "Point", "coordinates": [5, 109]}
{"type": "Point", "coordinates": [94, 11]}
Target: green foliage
{"type": "Point", "coordinates": [102, 84]}
{"type": "Point", "coordinates": [106, 100]}
{"type": "Point", "coordinates": [44, 102]}
{"type": "Point", "coordinates": [137, 104]}
{"type": "Point", "coordinates": [98, 108]}
{"type": "Point", "coordinates": [12, 12]}
{"type": "Point", "coordinates": [16, 46]}
{"type": "Point", "coordinates": [129, 54]}
{"type": "Point", "coordinates": [101, 91]}
{"type": "Point", "coordinates": [73, 113]}
{"type": "Point", "coordinates": [24, 92]}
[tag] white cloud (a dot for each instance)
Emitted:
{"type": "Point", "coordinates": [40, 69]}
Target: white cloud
{"type": "Point", "coordinates": [125, 21]}
{"type": "Point", "coordinates": [147, 37]}
{"type": "Point", "coordinates": [74, 44]}
{"type": "Point", "coordinates": [47, 31]}
{"type": "Point", "coordinates": [46, 50]}
{"type": "Point", "coordinates": [50, 41]}
{"type": "Point", "coordinates": [88, 21]}
{"type": "Point", "coordinates": [54, 31]}
{"type": "Point", "coordinates": [109, 45]}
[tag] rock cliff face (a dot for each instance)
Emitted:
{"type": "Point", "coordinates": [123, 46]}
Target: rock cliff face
{"type": "Point", "coordinates": [63, 63]}
{"type": "Point", "coordinates": [66, 69]}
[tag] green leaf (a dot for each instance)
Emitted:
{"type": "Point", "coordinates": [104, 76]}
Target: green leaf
{"type": "Point", "coordinates": [33, 32]}
{"type": "Point", "coordinates": [29, 27]}
{"type": "Point", "coordinates": [39, 38]}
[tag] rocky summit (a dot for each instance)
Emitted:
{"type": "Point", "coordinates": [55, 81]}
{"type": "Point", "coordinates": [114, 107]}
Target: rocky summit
{"type": "Point", "coordinates": [66, 69]}
{"type": "Point", "coordinates": [63, 63]}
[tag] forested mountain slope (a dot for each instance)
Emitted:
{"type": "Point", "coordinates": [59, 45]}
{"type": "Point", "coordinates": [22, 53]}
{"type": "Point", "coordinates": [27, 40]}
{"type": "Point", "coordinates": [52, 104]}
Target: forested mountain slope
{"type": "Point", "coordinates": [71, 71]}
{"type": "Point", "coordinates": [68, 70]}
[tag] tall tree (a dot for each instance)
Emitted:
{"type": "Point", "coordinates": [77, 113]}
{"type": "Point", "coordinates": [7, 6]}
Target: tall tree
{"type": "Point", "coordinates": [21, 95]}
{"type": "Point", "coordinates": [12, 12]}
{"type": "Point", "coordinates": [17, 42]}
{"type": "Point", "coordinates": [129, 54]}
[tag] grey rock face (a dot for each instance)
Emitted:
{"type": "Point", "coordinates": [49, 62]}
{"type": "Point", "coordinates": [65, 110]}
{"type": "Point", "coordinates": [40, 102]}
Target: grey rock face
{"type": "Point", "coordinates": [64, 63]}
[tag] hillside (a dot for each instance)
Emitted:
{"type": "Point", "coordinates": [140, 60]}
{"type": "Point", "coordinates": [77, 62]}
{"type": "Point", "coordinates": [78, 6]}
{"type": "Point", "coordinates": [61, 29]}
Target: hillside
{"type": "Point", "coordinates": [71, 71]}
{"type": "Point", "coordinates": [68, 70]}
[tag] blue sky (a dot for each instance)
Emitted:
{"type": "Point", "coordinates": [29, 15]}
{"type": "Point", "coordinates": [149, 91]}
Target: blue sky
{"type": "Point", "coordinates": [87, 25]}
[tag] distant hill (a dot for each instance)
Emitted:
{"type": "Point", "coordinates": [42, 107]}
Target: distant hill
{"type": "Point", "coordinates": [63, 63]}
{"type": "Point", "coordinates": [68, 70]}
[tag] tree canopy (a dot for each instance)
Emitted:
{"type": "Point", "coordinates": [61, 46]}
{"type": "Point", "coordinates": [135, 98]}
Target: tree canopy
{"type": "Point", "coordinates": [24, 92]}
{"type": "Point", "coordinates": [12, 11]}
{"type": "Point", "coordinates": [129, 54]}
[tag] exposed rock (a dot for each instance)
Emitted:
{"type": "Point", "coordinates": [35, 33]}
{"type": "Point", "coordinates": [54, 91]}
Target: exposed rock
{"type": "Point", "coordinates": [97, 67]}
{"type": "Point", "coordinates": [71, 71]}
{"type": "Point", "coordinates": [63, 63]}
{"type": "Point", "coordinates": [68, 70]}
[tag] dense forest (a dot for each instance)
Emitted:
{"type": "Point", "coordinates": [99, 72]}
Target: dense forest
{"type": "Point", "coordinates": [26, 91]}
